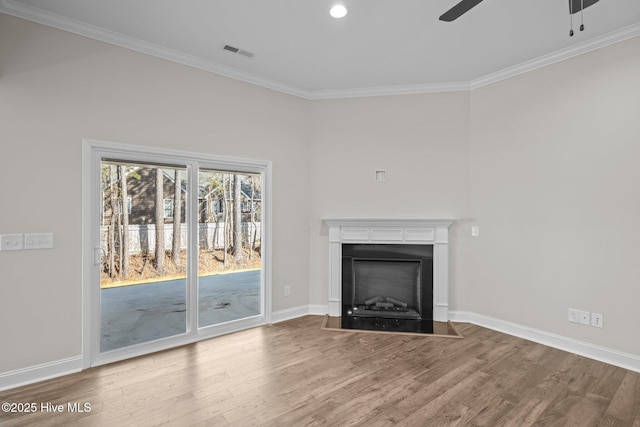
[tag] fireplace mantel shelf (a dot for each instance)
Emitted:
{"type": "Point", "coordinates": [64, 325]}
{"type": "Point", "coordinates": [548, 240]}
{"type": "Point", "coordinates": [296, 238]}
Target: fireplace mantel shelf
{"type": "Point", "coordinates": [391, 230]}
{"type": "Point", "coordinates": [373, 222]}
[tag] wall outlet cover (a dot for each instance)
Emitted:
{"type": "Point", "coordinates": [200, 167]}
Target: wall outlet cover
{"type": "Point", "coordinates": [585, 317]}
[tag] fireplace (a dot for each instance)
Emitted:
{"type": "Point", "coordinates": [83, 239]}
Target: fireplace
{"type": "Point", "coordinates": [387, 287]}
{"type": "Point", "coordinates": [386, 273]}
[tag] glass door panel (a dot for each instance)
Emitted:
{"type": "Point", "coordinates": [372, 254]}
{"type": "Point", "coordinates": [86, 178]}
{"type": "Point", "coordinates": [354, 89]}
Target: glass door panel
{"type": "Point", "coordinates": [143, 243]}
{"type": "Point", "coordinates": [229, 235]}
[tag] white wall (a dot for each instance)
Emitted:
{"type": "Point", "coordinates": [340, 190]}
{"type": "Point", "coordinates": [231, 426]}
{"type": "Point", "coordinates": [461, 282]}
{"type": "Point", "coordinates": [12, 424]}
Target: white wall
{"type": "Point", "coordinates": [421, 141]}
{"type": "Point", "coordinates": [56, 89]}
{"type": "Point", "coordinates": [555, 189]}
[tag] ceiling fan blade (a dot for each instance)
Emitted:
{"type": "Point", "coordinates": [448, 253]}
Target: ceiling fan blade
{"type": "Point", "coordinates": [578, 5]}
{"type": "Point", "coordinates": [463, 7]}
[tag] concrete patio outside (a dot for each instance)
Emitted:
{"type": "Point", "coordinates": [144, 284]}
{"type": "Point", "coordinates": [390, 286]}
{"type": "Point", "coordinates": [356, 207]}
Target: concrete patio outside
{"type": "Point", "coordinates": [141, 313]}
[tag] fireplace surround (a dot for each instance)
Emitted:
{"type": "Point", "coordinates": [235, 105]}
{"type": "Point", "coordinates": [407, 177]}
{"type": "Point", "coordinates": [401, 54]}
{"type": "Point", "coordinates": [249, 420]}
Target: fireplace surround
{"type": "Point", "coordinates": [387, 233]}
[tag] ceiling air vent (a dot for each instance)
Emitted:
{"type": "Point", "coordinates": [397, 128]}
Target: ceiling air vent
{"type": "Point", "coordinates": [233, 49]}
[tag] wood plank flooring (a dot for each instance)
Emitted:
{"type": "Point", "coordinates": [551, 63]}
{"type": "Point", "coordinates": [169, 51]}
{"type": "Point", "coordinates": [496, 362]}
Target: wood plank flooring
{"type": "Point", "coordinates": [294, 374]}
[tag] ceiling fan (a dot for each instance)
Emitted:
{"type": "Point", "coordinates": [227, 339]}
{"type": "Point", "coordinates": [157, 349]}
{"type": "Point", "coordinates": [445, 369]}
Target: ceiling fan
{"type": "Point", "coordinates": [466, 5]}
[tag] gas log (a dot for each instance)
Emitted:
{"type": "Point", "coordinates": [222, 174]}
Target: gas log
{"type": "Point", "coordinates": [384, 303]}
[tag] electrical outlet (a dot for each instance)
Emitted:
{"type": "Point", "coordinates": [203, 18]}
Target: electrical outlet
{"type": "Point", "coordinates": [596, 320]}
{"type": "Point", "coordinates": [585, 317]}
{"type": "Point", "coordinates": [475, 231]}
{"type": "Point", "coordinates": [574, 315]}
{"type": "Point", "coordinates": [287, 291]}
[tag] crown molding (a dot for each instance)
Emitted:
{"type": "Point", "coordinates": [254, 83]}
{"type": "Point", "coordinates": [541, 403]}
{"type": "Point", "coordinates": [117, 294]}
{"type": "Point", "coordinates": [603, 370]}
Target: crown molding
{"type": "Point", "coordinates": [11, 7]}
{"type": "Point", "coordinates": [390, 90]}
{"type": "Point", "coordinates": [557, 56]}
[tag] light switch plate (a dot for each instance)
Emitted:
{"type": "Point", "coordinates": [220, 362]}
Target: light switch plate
{"type": "Point", "coordinates": [38, 241]}
{"type": "Point", "coordinates": [574, 315]}
{"type": "Point", "coordinates": [11, 242]}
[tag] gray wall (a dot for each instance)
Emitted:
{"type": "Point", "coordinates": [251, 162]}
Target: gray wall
{"type": "Point", "coordinates": [555, 189]}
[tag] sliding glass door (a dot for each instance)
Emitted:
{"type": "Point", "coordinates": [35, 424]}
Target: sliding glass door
{"type": "Point", "coordinates": [174, 248]}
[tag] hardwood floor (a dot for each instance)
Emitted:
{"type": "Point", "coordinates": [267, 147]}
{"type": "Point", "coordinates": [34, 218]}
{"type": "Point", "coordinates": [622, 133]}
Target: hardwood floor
{"type": "Point", "coordinates": [294, 374]}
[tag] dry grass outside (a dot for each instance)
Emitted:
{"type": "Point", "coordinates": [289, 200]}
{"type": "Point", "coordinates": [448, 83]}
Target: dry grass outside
{"type": "Point", "coordinates": [142, 266]}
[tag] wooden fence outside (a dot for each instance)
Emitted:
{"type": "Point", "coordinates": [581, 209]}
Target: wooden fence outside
{"type": "Point", "coordinates": [142, 238]}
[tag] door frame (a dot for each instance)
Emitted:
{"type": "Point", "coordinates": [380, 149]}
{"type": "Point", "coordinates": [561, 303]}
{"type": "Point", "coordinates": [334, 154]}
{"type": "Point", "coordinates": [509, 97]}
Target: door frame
{"type": "Point", "coordinates": [93, 151]}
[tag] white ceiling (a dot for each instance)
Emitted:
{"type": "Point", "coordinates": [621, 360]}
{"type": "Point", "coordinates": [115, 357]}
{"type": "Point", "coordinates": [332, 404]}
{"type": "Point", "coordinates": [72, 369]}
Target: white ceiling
{"type": "Point", "coordinates": [380, 47]}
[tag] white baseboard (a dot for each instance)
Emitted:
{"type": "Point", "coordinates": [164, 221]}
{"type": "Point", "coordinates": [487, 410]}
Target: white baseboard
{"type": "Point", "coordinates": [289, 313]}
{"type": "Point", "coordinates": [304, 310]}
{"type": "Point", "coordinates": [592, 351]}
{"type": "Point", "coordinates": [318, 309]}
{"type": "Point", "coordinates": [38, 373]}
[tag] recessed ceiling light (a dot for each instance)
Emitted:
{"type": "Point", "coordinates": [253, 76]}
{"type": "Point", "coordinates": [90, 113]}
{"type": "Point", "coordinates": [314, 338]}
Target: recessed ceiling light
{"type": "Point", "coordinates": [338, 11]}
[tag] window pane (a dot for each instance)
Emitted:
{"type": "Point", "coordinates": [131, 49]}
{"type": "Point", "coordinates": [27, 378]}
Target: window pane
{"type": "Point", "coordinates": [168, 208]}
{"type": "Point", "coordinates": [229, 261]}
{"type": "Point", "coordinates": [143, 272]}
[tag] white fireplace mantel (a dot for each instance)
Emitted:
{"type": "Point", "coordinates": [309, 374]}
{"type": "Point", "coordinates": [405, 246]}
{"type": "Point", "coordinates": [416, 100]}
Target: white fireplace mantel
{"type": "Point", "coordinates": [391, 231]}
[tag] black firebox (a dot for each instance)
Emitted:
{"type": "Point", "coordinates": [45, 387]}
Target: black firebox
{"type": "Point", "coordinates": [387, 287]}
